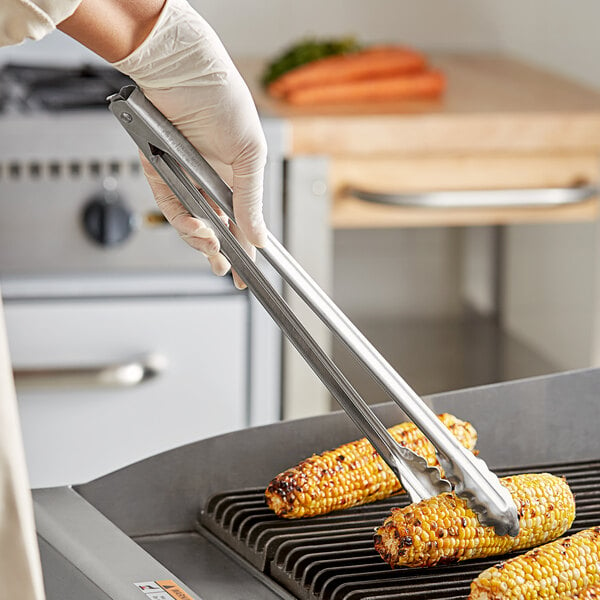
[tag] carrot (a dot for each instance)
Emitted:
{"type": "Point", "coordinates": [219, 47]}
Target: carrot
{"type": "Point", "coordinates": [377, 61]}
{"type": "Point", "coordinates": [426, 85]}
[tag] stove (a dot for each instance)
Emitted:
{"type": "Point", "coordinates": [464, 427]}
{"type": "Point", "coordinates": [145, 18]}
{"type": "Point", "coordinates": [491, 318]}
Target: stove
{"type": "Point", "coordinates": [65, 165]}
{"type": "Point", "coordinates": [27, 88]}
{"type": "Point", "coordinates": [195, 517]}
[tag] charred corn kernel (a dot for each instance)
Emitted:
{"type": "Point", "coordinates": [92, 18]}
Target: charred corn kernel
{"type": "Point", "coordinates": [443, 530]}
{"type": "Point", "coordinates": [591, 592]}
{"type": "Point", "coordinates": [565, 568]}
{"type": "Point", "coordinates": [353, 473]}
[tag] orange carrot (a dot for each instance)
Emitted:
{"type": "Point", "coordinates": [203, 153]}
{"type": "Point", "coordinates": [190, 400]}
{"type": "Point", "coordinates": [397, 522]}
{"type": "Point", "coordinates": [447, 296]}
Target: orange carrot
{"type": "Point", "coordinates": [377, 61]}
{"type": "Point", "coordinates": [427, 85]}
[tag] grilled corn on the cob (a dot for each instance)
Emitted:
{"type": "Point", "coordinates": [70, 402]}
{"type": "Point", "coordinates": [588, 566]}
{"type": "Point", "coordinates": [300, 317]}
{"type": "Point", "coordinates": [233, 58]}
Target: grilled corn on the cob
{"type": "Point", "coordinates": [589, 593]}
{"type": "Point", "coordinates": [560, 569]}
{"type": "Point", "coordinates": [353, 473]}
{"type": "Point", "coordinates": [444, 530]}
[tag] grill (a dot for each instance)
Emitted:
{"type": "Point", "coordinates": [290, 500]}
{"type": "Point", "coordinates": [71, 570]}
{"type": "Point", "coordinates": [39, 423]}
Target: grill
{"type": "Point", "coordinates": [196, 516]}
{"type": "Point", "coordinates": [332, 557]}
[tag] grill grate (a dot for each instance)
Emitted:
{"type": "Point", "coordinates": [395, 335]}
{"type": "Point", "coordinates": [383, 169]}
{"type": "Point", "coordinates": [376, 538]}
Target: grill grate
{"type": "Point", "coordinates": [332, 557]}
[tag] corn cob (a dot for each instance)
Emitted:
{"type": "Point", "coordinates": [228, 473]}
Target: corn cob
{"type": "Point", "coordinates": [353, 473]}
{"type": "Point", "coordinates": [443, 530]}
{"type": "Point", "coordinates": [591, 592]}
{"type": "Point", "coordinates": [559, 570]}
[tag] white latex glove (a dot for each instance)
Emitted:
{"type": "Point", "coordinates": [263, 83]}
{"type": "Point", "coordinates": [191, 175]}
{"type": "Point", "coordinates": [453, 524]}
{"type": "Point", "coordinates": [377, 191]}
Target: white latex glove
{"type": "Point", "coordinates": [184, 70]}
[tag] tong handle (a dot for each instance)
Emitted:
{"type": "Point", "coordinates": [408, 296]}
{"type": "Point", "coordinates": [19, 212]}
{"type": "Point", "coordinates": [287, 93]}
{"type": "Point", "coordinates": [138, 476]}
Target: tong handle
{"type": "Point", "coordinates": [160, 142]}
{"type": "Point", "coordinates": [170, 153]}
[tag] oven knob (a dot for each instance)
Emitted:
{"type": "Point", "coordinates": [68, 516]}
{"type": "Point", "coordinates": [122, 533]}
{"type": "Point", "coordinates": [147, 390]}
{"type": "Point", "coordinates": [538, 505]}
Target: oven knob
{"type": "Point", "coordinates": [107, 220]}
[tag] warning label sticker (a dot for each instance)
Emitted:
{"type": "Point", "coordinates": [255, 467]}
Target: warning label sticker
{"type": "Point", "coordinates": [164, 589]}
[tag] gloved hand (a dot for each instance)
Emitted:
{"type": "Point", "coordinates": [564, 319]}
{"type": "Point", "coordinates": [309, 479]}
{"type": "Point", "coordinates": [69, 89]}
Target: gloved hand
{"type": "Point", "coordinates": [184, 70]}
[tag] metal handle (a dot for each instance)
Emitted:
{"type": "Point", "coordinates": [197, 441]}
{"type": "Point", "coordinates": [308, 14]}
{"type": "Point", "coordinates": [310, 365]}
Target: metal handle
{"type": "Point", "coordinates": [160, 142]}
{"type": "Point", "coordinates": [121, 375]}
{"type": "Point", "coordinates": [479, 198]}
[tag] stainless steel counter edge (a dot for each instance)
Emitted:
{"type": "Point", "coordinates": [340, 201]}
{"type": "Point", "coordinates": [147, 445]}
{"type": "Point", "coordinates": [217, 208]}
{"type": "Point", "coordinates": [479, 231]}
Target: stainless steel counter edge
{"type": "Point", "coordinates": [111, 562]}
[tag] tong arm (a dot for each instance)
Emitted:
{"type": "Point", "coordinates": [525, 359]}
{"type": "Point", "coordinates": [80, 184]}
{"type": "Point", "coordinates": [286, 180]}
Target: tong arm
{"type": "Point", "coordinates": [160, 142]}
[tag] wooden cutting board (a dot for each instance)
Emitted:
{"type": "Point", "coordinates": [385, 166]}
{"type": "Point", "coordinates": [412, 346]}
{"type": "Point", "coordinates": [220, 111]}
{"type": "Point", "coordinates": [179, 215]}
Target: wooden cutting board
{"type": "Point", "coordinates": [492, 104]}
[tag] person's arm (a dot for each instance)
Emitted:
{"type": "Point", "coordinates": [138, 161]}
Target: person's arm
{"type": "Point", "coordinates": [113, 29]}
{"type": "Point", "coordinates": [184, 70]}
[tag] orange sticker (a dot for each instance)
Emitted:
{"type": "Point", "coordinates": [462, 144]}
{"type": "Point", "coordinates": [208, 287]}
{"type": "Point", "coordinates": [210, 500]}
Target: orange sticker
{"type": "Point", "coordinates": [174, 590]}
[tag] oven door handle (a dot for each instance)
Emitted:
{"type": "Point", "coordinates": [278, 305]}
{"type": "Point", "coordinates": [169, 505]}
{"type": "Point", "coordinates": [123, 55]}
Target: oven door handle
{"type": "Point", "coordinates": [126, 374]}
{"type": "Point", "coordinates": [478, 198]}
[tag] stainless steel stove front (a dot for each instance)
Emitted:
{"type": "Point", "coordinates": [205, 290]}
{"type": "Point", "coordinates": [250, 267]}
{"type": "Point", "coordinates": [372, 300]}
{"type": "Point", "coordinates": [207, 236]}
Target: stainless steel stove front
{"type": "Point", "coordinates": [93, 280]}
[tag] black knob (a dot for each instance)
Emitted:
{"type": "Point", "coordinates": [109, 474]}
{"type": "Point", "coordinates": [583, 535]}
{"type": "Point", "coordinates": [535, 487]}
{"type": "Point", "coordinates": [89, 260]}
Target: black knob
{"type": "Point", "coordinates": [107, 220]}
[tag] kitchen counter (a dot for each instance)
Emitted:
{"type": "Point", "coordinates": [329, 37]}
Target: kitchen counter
{"type": "Point", "coordinates": [495, 110]}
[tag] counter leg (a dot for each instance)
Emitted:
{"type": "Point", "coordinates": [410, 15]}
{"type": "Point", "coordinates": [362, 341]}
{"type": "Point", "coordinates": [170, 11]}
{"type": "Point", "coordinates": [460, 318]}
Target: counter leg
{"type": "Point", "coordinates": [309, 238]}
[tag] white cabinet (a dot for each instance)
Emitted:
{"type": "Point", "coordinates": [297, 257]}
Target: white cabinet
{"type": "Point", "coordinates": [78, 432]}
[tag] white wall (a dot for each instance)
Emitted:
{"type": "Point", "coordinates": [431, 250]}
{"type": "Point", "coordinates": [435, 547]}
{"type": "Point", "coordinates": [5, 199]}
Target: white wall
{"type": "Point", "coordinates": [560, 34]}
{"type": "Point", "coordinates": [261, 27]}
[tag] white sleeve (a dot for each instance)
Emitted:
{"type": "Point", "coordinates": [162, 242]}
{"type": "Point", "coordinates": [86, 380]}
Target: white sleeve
{"type": "Point", "coordinates": [21, 19]}
{"type": "Point", "coordinates": [20, 569]}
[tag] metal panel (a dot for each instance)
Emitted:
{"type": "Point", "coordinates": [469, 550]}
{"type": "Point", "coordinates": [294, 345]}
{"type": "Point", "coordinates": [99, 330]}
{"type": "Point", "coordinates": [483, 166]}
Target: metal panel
{"type": "Point", "coordinates": [63, 580]}
{"type": "Point", "coordinates": [265, 336]}
{"type": "Point", "coordinates": [80, 433]}
{"type": "Point", "coordinates": [210, 569]}
{"type": "Point", "coordinates": [308, 238]}
{"type": "Point", "coordinates": [103, 555]}
{"type": "Point", "coordinates": [538, 420]}
{"type": "Point", "coordinates": [480, 266]}
{"type": "Point", "coordinates": [549, 296]}
{"type": "Point", "coordinates": [45, 185]}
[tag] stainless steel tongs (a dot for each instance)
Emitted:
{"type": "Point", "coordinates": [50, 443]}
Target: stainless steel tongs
{"type": "Point", "coordinates": [174, 158]}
